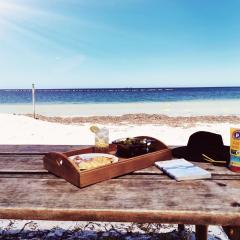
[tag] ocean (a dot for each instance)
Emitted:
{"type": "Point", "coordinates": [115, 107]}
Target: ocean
{"type": "Point", "coordinates": [119, 101]}
{"type": "Point", "coordinates": [117, 95]}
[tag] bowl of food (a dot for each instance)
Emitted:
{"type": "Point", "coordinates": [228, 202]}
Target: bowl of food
{"type": "Point", "coordinates": [90, 161]}
{"type": "Point", "coordinates": [130, 147]}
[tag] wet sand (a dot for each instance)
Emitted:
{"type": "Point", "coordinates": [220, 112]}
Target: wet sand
{"type": "Point", "coordinates": [179, 108]}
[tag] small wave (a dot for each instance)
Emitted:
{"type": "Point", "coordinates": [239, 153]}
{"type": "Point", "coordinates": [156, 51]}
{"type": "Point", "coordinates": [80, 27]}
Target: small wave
{"type": "Point", "coordinates": [151, 89]}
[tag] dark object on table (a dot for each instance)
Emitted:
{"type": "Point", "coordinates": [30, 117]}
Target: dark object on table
{"type": "Point", "coordinates": [204, 146]}
{"type": "Point", "coordinates": [130, 147]}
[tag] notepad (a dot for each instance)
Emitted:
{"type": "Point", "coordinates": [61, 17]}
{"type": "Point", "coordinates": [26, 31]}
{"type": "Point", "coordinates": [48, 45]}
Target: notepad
{"type": "Point", "coordinates": [181, 169]}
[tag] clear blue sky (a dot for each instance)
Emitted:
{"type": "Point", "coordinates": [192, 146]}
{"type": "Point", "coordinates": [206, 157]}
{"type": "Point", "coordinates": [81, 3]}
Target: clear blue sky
{"type": "Point", "coordinates": [119, 43]}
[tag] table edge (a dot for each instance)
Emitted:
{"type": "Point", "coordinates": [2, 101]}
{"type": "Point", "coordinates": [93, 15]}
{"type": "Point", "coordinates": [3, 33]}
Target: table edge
{"type": "Point", "coordinates": [120, 215]}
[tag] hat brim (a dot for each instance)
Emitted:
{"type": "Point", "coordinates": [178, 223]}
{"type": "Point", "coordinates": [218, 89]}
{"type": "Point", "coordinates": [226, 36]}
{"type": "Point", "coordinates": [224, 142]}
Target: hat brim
{"type": "Point", "coordinates": [185, 152]}
{"type": "Point", "coordinates": [179, 152]}
{"type": "Point", "coordinates": [223, 155]}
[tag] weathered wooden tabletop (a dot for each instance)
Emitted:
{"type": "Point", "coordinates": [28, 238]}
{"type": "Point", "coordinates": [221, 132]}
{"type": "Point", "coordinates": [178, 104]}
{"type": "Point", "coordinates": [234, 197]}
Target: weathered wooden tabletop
{"type": "Point", "coordinates": [27, 191]}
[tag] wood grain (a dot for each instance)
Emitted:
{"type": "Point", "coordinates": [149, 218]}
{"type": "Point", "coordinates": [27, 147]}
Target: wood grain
{"type": "Point", "coordinates": [36, 149]}
{"type": "Point", "coordinates": [27, 191]}
{"type": "Point", "coordinates": [198, 202]}
{"type": "Point", "coordinates": [39, 149]}
{"type": "Point", "coordinates": [30, 175]}
{"type": "Point", "coordinates": [21, 163]}
{"type": "Point", "coordinates": [34, 164]}
{"type": "Point", "coordinates": [208, 166]}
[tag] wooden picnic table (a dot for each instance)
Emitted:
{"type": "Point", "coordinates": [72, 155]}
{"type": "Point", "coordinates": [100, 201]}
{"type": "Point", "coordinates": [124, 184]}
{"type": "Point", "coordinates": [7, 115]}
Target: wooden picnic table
{"type": "Point", "coordinates": [28, 191]}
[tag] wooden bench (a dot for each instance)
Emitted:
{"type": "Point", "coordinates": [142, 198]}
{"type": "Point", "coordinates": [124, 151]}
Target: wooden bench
{"type": "Point", "coordinates": [27, 191]}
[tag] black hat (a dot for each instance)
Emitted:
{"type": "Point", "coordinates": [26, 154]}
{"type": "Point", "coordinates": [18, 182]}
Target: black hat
{"type": "Point", "coordinates": [204, 146]}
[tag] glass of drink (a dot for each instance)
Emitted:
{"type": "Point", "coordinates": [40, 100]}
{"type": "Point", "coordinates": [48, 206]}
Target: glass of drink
{"type": "Point", "coordinates": [102, 140]}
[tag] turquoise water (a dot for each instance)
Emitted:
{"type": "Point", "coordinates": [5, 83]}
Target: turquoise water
{"type": "Point", "coordinates": [116, 95]}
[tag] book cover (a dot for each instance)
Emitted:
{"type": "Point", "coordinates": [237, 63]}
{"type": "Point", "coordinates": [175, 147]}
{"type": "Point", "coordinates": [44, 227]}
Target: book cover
{"type": "Point", "coordinates": [181, 169]}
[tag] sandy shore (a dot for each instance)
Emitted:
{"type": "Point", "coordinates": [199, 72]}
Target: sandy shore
{"type": "Point", "coordinates": [19, 129]}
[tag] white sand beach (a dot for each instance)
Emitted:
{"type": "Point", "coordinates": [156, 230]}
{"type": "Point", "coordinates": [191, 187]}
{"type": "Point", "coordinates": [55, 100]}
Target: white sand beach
{"type": "Point", "coordinates": [19, 129]}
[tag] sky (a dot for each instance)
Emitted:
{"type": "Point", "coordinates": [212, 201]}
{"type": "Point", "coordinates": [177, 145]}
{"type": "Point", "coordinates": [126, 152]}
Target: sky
{"type": "Point", "coordinates": [119, 43]}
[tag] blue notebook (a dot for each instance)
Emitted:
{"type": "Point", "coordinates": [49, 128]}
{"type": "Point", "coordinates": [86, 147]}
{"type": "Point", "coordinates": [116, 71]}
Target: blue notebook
{"type": "Point", "coordinates": [181, 169]}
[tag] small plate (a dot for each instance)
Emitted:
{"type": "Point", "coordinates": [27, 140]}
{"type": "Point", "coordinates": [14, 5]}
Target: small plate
{"type": "Point", "coordinates": [88, 156]}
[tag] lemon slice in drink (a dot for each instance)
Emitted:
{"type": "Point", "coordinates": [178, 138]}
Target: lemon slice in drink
{"type": "Point", "coordinates": [94, 129]}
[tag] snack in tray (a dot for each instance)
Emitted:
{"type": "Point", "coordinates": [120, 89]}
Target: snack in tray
{"type": "Point", "coordinates": [130, 147]}
{"type": "Point", "coordinates": [94, 160]}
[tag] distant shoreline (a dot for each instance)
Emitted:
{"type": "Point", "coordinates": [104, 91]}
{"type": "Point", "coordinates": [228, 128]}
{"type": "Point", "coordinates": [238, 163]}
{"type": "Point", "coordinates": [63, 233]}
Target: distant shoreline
{"type": "Point", "coordinates": [178, 108]}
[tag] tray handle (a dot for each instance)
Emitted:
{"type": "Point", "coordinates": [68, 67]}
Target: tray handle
{"type": "Point", "coordinates": [59, 164]}
{"type": "Point", "coordinates": [60, 159]}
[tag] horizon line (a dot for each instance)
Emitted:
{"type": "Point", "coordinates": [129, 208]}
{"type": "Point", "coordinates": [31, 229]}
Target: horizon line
{"type": "Point", "coordinates": [111, 88]}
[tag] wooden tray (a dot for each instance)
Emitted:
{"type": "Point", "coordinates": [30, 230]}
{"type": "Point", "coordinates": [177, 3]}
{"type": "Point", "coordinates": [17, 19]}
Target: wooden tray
{"type": "Point", "coordinates": [59, 164]}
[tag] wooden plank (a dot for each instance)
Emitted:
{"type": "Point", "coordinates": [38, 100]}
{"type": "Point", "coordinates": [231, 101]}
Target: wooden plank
{"type": "Point", "coordinates": [37, 149]}
{"type": "Point", "coordinates": [34, 164]}
{"type": "Point", "coordinates": [28, 191]}
{"type": "Point", "coordinates": [165, 177]}
{"type": "Point", "coordinates": [29, 175]}
{"type": "Point", "coordinates": [220, 170]}
{"type": "Point", "coordinates": [199, 202]}
{"type": "Point", "coordinates": [47, 175]}
{"type": "Point", "coordinates": [28, 161]}
{"type": "Point", "coordinates": [21, 163]}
